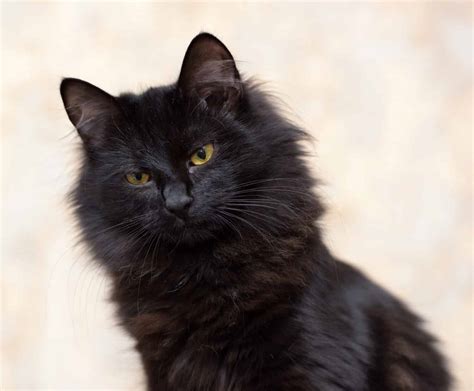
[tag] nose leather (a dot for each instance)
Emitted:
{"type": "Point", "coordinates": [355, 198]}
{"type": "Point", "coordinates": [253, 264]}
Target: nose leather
{"type": "Point", "coordinates": [176, 198]}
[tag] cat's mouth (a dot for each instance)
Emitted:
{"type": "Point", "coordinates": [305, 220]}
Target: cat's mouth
{"type": "Point", "coordinates": [179, 222]}
{"type": "Point", "coordinates": [176, 221]}
{"type": "Point", "coordinates": [175, 224]}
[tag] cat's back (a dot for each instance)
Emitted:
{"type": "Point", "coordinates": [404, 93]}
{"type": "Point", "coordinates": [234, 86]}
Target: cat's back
{"type": "Point", "coordinates": [357, 336]}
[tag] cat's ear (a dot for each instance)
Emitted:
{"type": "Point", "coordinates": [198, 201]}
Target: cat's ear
{"type": "Point", "coordinates": [90, 109]}
{"type": "Point", "coordinates": [209, 74]}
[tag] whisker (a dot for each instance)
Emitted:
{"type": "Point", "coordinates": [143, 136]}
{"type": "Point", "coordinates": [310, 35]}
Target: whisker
{"type": "Point", "coordinates": [261, 216]}
{"type": "Point", "coordinates": [259, 181]}
{"type": "Point", "coordinates": [229, 223]}
{"type": "Point", "coordinates": [232, 215]}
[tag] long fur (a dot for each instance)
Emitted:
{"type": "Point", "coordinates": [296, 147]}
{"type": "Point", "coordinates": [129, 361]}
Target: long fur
{"type": "Point", "coordinates": [244, 295]}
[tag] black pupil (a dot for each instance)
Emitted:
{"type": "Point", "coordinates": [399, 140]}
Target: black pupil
{"type": "Point", "coordinates": [201, 154]}
{"type": "Point", "coordinates": [138, 176]}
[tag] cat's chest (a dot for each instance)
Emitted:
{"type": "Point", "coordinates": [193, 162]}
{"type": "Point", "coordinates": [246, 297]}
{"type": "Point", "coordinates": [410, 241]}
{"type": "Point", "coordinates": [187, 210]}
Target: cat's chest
{"type": "Point", "coordinates": [185, 321]}
{"type": "Point", "coordinates": [183, 354]}
{"type": "Point", "coordinates": [218, 353]}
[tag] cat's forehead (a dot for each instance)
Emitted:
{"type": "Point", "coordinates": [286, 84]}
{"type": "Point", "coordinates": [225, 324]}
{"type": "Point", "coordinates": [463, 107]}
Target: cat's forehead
{"type": "Point", "coordinates": [160, 116]}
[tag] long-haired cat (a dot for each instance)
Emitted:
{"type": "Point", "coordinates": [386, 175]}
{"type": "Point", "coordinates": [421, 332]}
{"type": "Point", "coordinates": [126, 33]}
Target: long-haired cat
{"type": "Point", "coordinates": [197, 200]}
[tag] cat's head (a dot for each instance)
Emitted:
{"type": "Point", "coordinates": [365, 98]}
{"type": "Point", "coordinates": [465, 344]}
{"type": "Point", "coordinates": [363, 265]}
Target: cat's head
{"type": "Point", "coordinates": [207, 157]}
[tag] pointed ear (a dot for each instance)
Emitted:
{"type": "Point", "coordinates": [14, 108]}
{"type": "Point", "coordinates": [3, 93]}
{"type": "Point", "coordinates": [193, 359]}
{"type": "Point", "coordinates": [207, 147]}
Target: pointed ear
{"type": "Point", "coordinates": [209, 74]}
{"type": "Point", "coordinates": [89, 108]}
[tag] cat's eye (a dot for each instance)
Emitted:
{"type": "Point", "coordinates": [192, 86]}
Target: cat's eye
{"type": "Point", "coordinates": [138, 178]}
{"type": "Point", "coordinates": [202, 155]}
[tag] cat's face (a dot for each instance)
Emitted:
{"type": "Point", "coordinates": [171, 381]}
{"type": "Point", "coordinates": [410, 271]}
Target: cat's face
{"type": "Point", "coordinates": [188, 162]}
{"type": "Point", "coordinates": [168, 171]}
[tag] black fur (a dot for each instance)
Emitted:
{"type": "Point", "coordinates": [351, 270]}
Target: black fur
{"type": "Point", "coordinates": [238, 292]}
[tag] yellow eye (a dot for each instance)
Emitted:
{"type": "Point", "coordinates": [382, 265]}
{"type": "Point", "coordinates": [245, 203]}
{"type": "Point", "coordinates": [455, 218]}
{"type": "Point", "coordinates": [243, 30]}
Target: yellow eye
{"type": "Point", "coordinates": [202, 155]}
{"type": "Point", "coordinates": [137, 178]}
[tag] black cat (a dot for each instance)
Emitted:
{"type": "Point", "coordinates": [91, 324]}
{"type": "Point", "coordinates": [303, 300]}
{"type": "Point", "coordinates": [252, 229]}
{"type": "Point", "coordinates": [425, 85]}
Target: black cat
{"type": "Point", "coordinates": [197, 200]}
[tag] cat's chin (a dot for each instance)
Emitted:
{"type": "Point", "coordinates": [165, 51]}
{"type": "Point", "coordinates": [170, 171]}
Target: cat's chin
{"type": "Point", "coordinates": [186, 234]}
{"type": "Point", "coordinates": [187, 237]}
{"type": "Point", "coordinates": [187, 231]}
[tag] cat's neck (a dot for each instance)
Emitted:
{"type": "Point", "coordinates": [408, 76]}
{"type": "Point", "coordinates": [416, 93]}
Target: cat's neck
{"type": "Point", "coordinates": [242, 276]}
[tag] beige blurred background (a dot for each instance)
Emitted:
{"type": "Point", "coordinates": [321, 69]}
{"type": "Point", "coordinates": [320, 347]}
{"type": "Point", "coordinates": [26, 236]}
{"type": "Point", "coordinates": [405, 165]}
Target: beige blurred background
{"type": "Point", "coordinates": [386, 88]}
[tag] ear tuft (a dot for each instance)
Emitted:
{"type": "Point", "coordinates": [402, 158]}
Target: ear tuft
{"type": "Point", "coordinates": [209, 73]}
{"type": "Point", "coordinates": [89, 108]}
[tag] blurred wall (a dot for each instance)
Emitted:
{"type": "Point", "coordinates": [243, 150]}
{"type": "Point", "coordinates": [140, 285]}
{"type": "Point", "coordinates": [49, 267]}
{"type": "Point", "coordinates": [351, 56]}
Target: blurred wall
{"type": "Point", "coordinates": [386, 88]}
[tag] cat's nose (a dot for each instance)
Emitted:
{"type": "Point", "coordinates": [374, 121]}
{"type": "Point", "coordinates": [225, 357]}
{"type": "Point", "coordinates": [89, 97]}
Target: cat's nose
{"type": "Point", "coordinates": [177, 201]}
{"type": "Point", "coordinates": [178, 204]}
